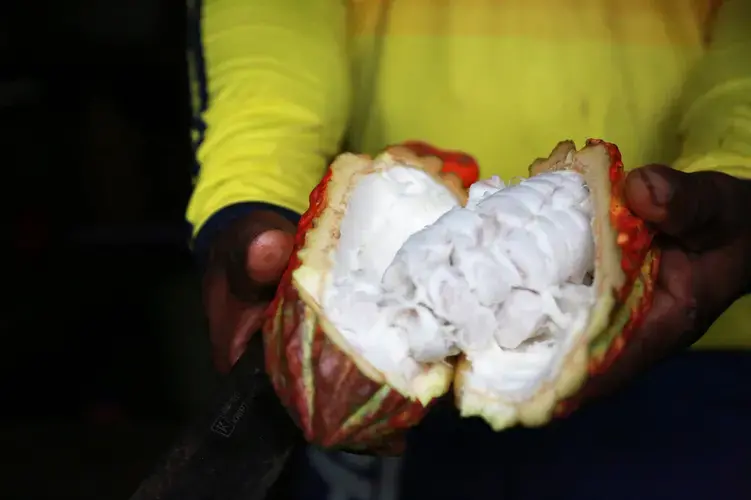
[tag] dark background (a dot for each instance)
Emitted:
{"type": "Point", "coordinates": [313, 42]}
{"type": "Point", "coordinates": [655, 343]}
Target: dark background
{"type": "Point", "coordinates": [104, 348]}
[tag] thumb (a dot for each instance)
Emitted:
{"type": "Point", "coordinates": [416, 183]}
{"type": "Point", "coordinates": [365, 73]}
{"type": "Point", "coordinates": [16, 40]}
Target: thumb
{"type": "Point", "coordinates": [697, 208]}
{"type": "Point", "coordinates": [268, 255]}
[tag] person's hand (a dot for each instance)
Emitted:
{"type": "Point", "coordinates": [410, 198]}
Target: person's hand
{"type": "Point", "coordinates": [703, 222]}
{"type": "Point", "coordinates": [244, 267]}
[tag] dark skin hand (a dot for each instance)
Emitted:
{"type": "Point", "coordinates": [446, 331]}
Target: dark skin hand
{"type": "Point", "coordinates": [244, 268]}
{"type": "Point", "coordinates": [703, 222]}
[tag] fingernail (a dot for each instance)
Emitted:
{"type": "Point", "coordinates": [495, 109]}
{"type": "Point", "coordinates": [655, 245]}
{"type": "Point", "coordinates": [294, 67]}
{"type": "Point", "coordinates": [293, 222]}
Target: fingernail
{"type": "Point", "coordinates": [660, 189]}
{"type": "Point", "coordinates": [268, 254]}
{"type": "Point", "coordinates": [266, 249]}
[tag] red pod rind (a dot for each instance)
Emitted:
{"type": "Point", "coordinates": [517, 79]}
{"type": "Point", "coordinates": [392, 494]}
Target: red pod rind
{"type": "Point", "coordinates": [626, 265]}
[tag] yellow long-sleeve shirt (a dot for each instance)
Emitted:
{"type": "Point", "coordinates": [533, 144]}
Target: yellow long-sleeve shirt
{"type": "Point", "coordinates": [281, 85]}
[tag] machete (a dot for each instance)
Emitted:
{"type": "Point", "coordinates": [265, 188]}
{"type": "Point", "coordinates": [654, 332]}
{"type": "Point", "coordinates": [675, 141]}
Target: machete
{"type": "Point", "coordinates": [236, 449]}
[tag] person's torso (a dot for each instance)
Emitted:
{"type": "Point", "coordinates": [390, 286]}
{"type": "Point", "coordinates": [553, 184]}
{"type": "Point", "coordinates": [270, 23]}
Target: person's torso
{"type": "Point", "coordinates": [505, 80]}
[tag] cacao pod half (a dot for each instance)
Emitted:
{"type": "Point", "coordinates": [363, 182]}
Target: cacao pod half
{"type": "Point", "coordinates": [625, 269]}
{"type": "Point", "coordinates": [344, 391]}
{"type": "Point", "coordinates": [409, 275]}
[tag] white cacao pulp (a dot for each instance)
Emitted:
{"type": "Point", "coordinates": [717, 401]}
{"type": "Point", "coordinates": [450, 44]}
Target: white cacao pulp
{"type": "Point", "coordinates": [384, 210]}
{"type": "Point", "coordinates": [418, 275]}
{"type": "Point", "coordinates": [505, 280]}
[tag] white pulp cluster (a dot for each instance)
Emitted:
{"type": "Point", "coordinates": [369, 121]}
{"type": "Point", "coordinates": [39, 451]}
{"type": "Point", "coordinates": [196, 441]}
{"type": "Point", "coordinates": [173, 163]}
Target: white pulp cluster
{"type": "Point", "coordinates": [418, 278]}
{"type": "Point", "coordinates": [510, 267]}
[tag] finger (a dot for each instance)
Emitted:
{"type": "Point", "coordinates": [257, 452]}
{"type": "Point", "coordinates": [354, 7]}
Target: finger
{"type": "Point", "coordinates": [673, 310]}
{"type": "Point", "coordinates": [250, 323]}
{"type": "Point", "coordinates": [676, 277]}
{"type": "Point", "coordinates": [268, 255]}
{"type": "Point", "coordinates": [665, 197]}
{"type": "Point", "coordinates": [659, 333]}
{"type": "Point", "coordinates": [720, 277]}
{"type": "Point", "coordinates": [697, 207]}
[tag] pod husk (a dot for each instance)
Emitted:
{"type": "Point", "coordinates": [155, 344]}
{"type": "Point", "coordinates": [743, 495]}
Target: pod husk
{"type": "Point", "coordinates": [337, 397]}
{"type": "Point", "coordinates": [625, 271]}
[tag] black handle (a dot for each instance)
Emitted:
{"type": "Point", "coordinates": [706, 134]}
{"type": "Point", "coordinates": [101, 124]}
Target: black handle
{"type": "Point", "coordinates": [237, 449]}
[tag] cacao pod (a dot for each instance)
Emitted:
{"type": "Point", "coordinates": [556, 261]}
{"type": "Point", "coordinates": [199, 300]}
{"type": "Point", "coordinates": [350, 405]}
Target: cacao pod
{"type": "Point", "coordinates": [409, 275]}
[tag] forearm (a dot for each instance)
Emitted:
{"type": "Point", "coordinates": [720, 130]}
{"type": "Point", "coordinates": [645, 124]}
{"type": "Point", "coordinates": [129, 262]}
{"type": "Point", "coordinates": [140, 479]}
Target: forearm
{"type": "Point", "coordinates": [270, 89]}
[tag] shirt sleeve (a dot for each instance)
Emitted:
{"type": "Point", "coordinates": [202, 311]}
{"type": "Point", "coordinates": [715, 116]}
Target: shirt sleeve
{"type": "Point", "coordinates": [270, 94]}
{"type": "Point", "coordinates": [716, 124]}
